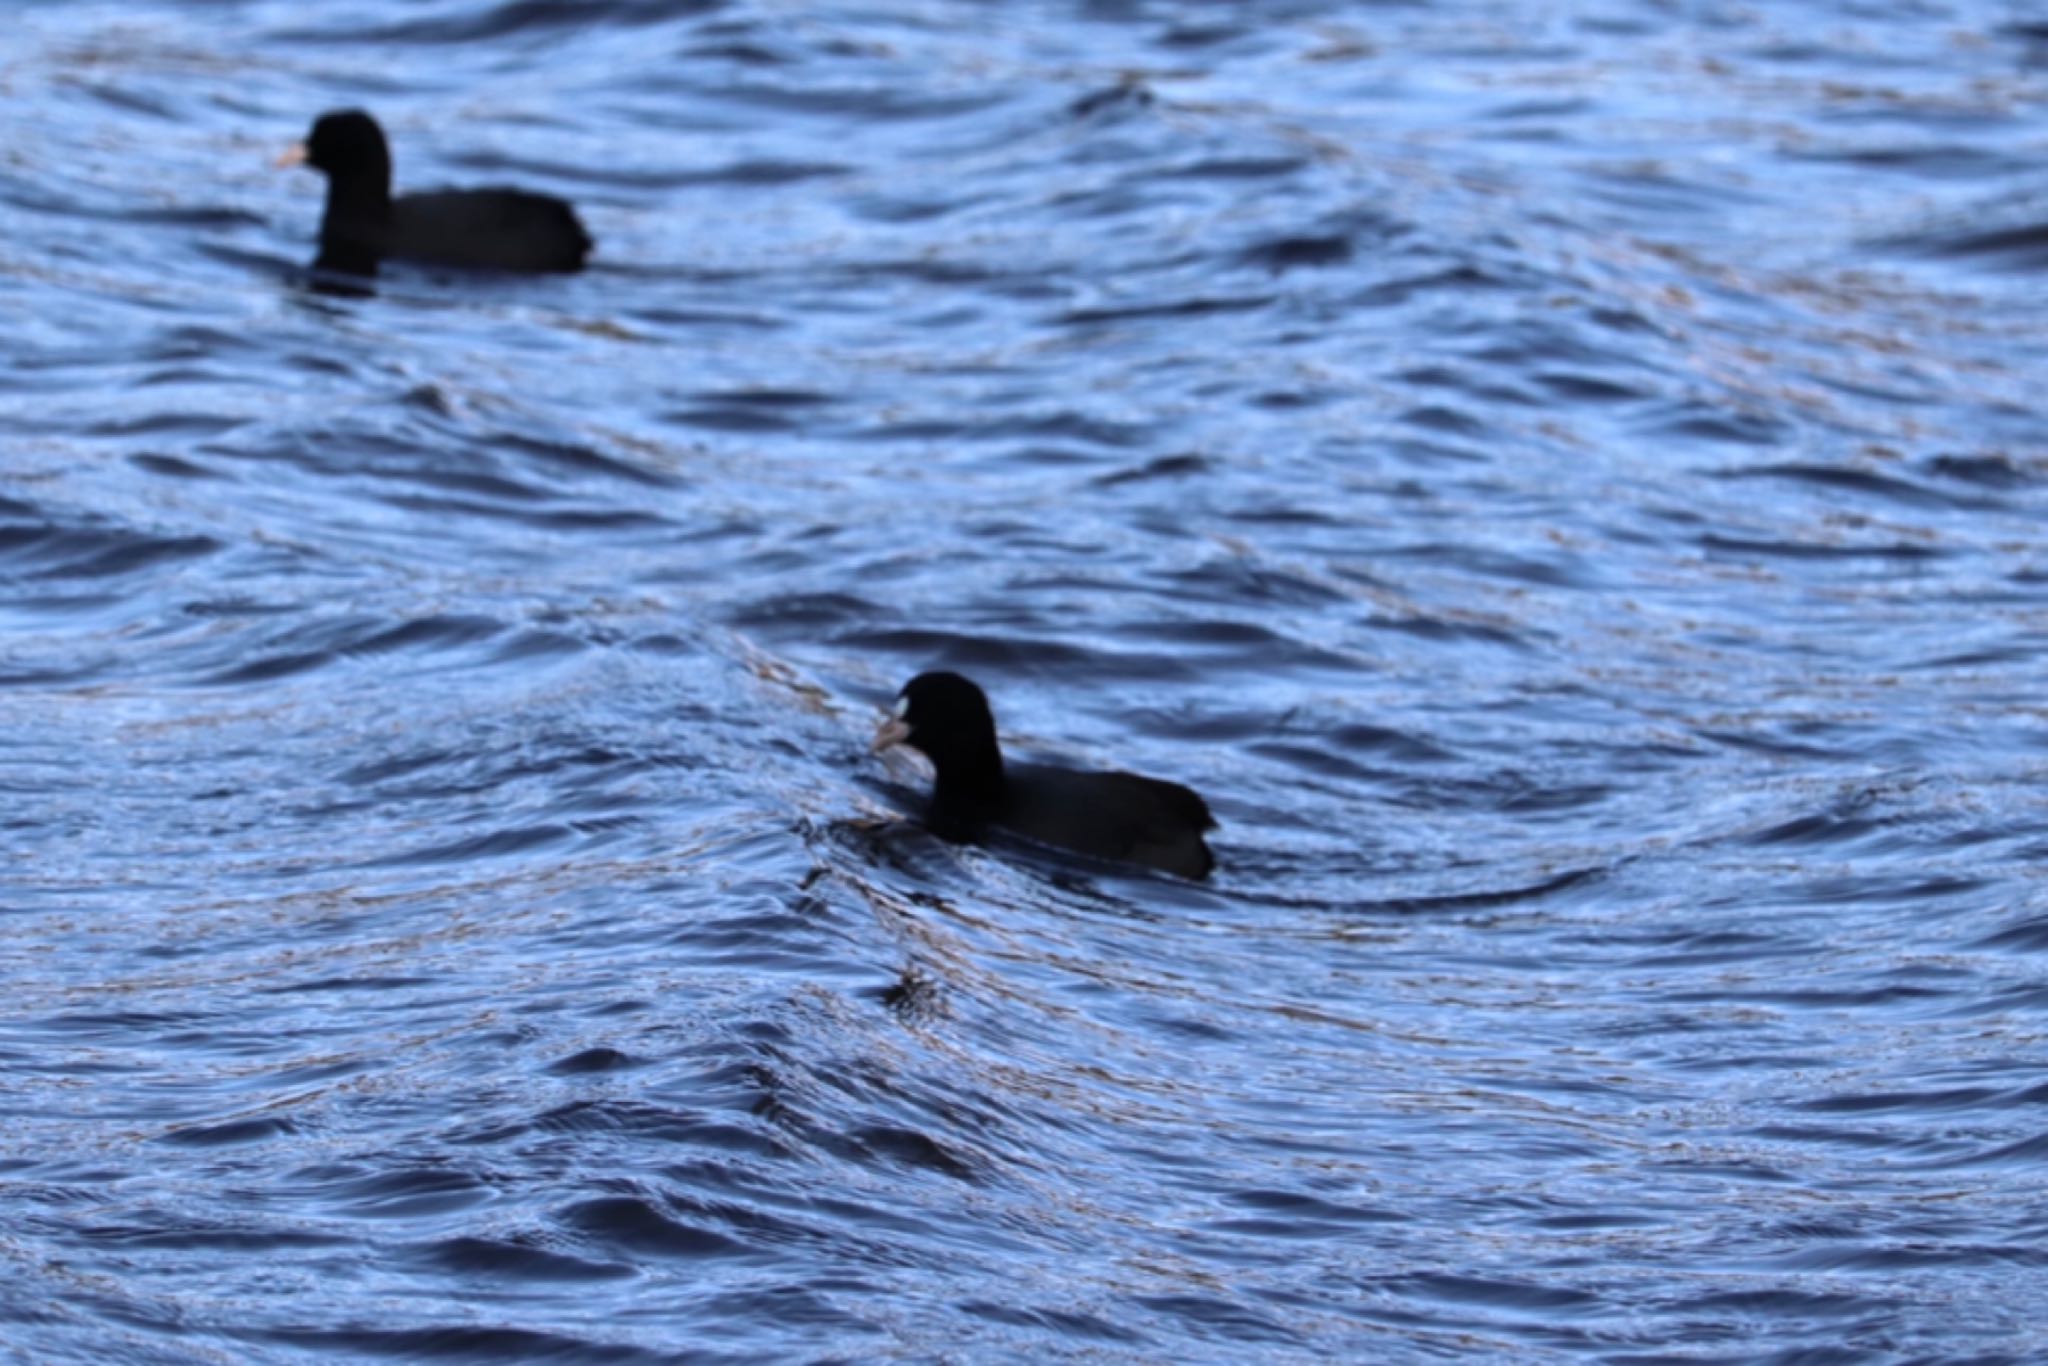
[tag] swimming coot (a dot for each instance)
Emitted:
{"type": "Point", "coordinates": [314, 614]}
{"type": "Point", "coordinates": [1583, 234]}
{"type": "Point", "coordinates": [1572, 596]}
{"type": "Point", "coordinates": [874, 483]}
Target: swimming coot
{"type": "Point", "coordinates": [489, 229]}
{"type": "Point", "coordinates": [1103, 815]}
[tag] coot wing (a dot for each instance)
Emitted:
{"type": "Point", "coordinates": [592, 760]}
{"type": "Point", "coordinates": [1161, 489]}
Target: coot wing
{"type": "Point", "coordinates": [493, 229]}
{"type": "Point", "coordinates": [1119, 816]}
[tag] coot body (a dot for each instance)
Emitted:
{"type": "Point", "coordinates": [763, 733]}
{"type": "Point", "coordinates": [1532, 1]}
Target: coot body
{"type": "Point", "coordinates": [484, 229]}
{"type": "Point", "coordinates": [1116, 816]}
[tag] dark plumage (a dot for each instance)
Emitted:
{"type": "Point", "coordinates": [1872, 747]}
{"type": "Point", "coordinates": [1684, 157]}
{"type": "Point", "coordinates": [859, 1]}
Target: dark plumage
{"type": "Point", "coordinates": [1117, 816]}
{"type": "Point", "coordinates": [487, 229]}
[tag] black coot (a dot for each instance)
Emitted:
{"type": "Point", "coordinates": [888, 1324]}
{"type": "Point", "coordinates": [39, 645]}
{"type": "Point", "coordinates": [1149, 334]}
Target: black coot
{"type": "Point", "coordinates": [1103, 815]}
{"type": "Point", "coordinates": [490, 229]}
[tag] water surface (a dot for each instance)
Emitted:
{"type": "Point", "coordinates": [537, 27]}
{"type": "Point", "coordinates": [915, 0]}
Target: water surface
{"type": "Point", "coordinates": [1568, 489]}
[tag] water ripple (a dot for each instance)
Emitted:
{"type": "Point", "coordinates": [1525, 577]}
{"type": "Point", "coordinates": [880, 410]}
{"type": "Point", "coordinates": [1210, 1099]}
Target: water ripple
{"type": "Point", "coordinates": [1566, 489]}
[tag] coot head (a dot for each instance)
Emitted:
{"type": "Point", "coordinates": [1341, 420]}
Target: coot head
{"type": "Point", "coordinates": [946, 718]}
{"type": "Point", "coordinates": [345, 144]}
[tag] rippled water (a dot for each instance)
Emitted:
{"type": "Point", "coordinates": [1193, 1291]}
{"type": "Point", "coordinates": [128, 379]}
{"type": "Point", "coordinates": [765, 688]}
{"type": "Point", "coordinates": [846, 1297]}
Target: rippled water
{"type": "Point", "coordinates": [1568, 489]}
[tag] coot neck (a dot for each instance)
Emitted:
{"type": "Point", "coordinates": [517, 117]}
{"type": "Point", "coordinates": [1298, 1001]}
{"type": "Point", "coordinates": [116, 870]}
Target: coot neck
{"type": "Point", "coordinates": [967, 783]}
{"type": "Point", "coordinates": [356, 221]}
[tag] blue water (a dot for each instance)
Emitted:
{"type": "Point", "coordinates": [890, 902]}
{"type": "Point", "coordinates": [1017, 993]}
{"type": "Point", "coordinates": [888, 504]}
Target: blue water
{"type": "Point", "coordinates": [1567, 487]}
